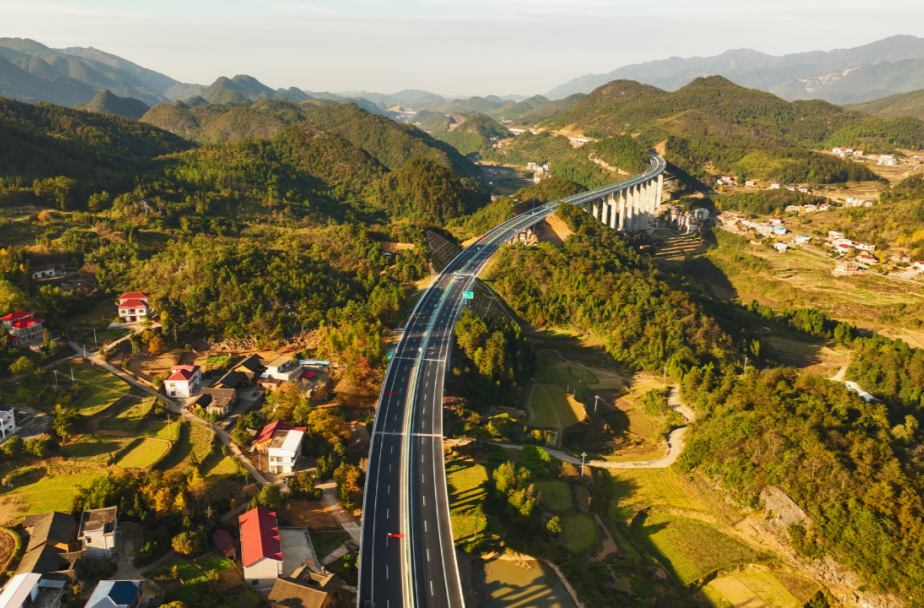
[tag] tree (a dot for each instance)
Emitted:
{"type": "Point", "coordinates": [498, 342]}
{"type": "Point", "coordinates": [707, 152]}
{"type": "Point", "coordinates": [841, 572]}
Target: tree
{"type": "Point", "coordinates": [303, 485]}
{"type": "Point", "coordinates": [22, 367]}
{"type": "Point", "coordinates": [347, 476]}
{"type": "Point", "coordinates": [12, 298]}
{"type": "Point", "coordinates": [189, 542]}
{"type": "Point", "coordinates": [14, 446]}
{"type": "Point", "coordinates": [66, 422]}
{"type": "Point", "coordinates": [270, 497]}
{"type": "Point", "coordinates": [37, 447]}
{"type": "Point", "coordinates": [554, 525]}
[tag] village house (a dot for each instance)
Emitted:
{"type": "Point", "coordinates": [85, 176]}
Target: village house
{"type": "Point", "coordinates": [251, 367]}
{"type": "Point", "coordinates": [774, 186]}
{"type": "Point", "coordinates": [781, 247]}
{"type": "Point", "coordinates": [842, 152]}
{"type": "Point", "coordinates": [54, 529]}
{"type": "Point", "coordinates": [780, 230]}
{"type": "Point", "coordinates": [887, 160]}
{"type": "Point", "coordinates": [116, 594]}
{"type": "Point", "coordinates": [133, 306]}
{"type": "Point", "coordinates": [901, 258]}
{"type": "Point", "coordinates": [261, 549]}
{"type": "Point", "coordinates": [804, 189]}
{"type": "Point", "coordinates": [918, 265]}
{"type": "Point", "coordinates": [224, 544]}
{"type": "Point", "coordinates": [803, 239]}
{"type": "Point", "coordinates": [750, 183]}
{"type": "Point", "coordinates": [305, 589]}
{"type": "Point", "coordinates": [284, 451]}
{"type": "Point", "coordinates": [865, 246]}
{"type": "Point", "coordinates": [793, 208]}
{"type": "Point", "coordinates": [283, 368]}
{"type": "Point", "coordinates": [232, 379]}
{"type": "Point", "coordinates": [183, 380]}
{"type": "Point", "coordinates": [35, 590]}
{"type": "Point", "coordinates": [217, 401]}
{"type": "Point", "coordinates": [835, 235]}
{"type": "Point", "coordinates": [7, 422]}
{"type": "Point", "coordinates": [809, 208]}
{"type": "Point", "coordinates": [867, 258]}
{"type": "Point", "coordinates": [23, 327]}
{"type": "Point", "coordinates": [98, 533]}
{"type": "Point", "coordinates": [46, 272]}
{"type": "Point", "coordinates": [775, 220]}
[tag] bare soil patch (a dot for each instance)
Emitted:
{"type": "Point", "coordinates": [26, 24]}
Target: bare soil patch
{"type": "Point", "coordinates": [7, 546]}
{"type": "Point", "coordinates": [553, 230]}
{"type": "Point", "coordinates": [309, 514]}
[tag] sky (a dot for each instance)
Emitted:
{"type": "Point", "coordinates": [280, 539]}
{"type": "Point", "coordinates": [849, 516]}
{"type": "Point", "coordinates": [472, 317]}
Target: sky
{"type": "Point", "coordinates": [451, 47]}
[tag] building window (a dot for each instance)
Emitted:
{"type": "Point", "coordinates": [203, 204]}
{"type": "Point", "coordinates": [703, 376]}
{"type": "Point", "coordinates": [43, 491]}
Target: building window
{"type": "Point", "coordinates": [254, 583]}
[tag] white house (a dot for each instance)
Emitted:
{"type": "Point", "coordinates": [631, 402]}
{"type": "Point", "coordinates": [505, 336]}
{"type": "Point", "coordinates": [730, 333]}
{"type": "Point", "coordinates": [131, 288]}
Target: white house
{"type": "Point", "coordinates": [781, 247]}
{"type": "Point", "coordinates": [865, 246]}
{"type": "Point", "coordinates": [7, 422]}
{"type": "Point", "coordinates": [918, 265]}
{"type": "Point", "coordinates": [23, 327]}
{"type": "Point", "coordinates": [284, 368]}
{"type": "Point", "coordinates": [835, 235]}
{"type": "Point", "coordinates": [774, 186]}
{"type": "Point", "coordinates": [284, 451]}
{"type": "Point", "coordinates": [33, 589]}
{"type": "Point", "coordinates": [133, 306]}
{"type": "Point", "coordinates": [803, 239]}
{"type": "Point", "coordinates": [867, 258]}
{"type": "Point", "coordinates": [183, 380]}
{"type": "Point", "coordinates": [261, 549]}
{"type": "Point", "coordinates": [45, 272]}
{"type": "Point", "coordinates": [99, 533]}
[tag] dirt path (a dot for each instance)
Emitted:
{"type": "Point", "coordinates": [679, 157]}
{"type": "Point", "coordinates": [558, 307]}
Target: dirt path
{"type": "Point", "coordinates": [336, 510]}
{"type": "Point", "coordinates": [609, 545]}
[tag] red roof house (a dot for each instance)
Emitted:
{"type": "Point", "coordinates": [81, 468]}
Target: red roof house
{"type": "Point", "coordinates": [133, 306]}
{"type": "Point", "coordinates": [22, 326]}
{"type": "Point", "coordinates": [183, 380]}
{"type": "Point", "coordinates": [15, 316]}
{"type": "Point", "coordinates": [225, 544]}
{"type": "Point", "coordinates": [261, 549]}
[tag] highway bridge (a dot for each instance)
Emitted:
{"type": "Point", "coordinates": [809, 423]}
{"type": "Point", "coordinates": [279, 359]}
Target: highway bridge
{"type": "Point", "coordinates": [407, 557]}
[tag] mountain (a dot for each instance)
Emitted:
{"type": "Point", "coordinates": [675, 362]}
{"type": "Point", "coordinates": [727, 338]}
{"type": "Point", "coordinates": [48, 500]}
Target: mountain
{"type": "Point", "coordinates": [853, 75]}
{"type": "Point", "coordinates": [904, 104]}
{"type": "Point", "coordinates": [391, 143]}
{"type": "Point", "coordinates": [713, 126]}
{"type": "Point", "coordinates": [16, 83]}
{"type": "Point", "coordinates": [96, 70]}
{"type": "Point", "coordinates": [157, 82]}
{"type": "Point", "coordinates": [106, 103]}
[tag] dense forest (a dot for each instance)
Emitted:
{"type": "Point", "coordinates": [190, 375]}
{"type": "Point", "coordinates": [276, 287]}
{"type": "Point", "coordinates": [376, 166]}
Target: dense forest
{"type": "Point", "coordinates": [854, 467]}
{"type": "Point", "coordinates": [596, 282]}
{"type": "Point", "coordinates": [764, 202]}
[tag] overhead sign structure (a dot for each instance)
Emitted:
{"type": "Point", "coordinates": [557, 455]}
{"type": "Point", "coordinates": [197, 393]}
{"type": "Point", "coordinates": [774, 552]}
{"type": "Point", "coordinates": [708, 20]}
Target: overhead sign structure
{"type": "Point", "coordinates": [468, 295]}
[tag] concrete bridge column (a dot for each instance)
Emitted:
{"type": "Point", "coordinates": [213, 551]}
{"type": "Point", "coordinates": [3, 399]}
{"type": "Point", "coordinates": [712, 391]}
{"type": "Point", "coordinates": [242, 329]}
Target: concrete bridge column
{"type": "Point", "coordinates": [614, 211]}
{"type": "Point", "coordinates": [649, 203]}
{"type": "Point", "coordinates": [660, 189]}
{"type": "Point", "coordinates": [605, 211]}
{"type": "Point", "coordinates": [636, 207]}
{"type": "Point", "coordinates": [596, 207]}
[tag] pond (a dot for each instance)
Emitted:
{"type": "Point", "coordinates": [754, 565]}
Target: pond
{"type": "Point", "coordinates": [508, 585]}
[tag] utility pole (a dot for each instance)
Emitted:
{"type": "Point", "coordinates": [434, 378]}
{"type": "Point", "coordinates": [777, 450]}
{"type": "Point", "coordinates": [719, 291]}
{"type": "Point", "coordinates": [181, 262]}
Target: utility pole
{"type": "Point", "coordinates": [94, 337]}
{"type": "Point", "coordinates": [745, 362]}
{"type": "Point", "coordinates": [56, 378]}
{"type": "Point", "coordinates": [583, 455]}
{"type": "Point", "coordinates": [596, 399]}
{"type": "Point", "coordinates": [72, 377]}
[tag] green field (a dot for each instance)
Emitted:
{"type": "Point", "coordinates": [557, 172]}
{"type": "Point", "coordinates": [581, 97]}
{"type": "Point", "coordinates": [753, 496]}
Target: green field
{"type": "Point", "coordinates": [142, 453]}
{"type": "Point", "coordinates": [690, 548]}
{"type": "Point", "coordinates": [554, 496]}
{"type": "Point", "coordinates": [160, 429]}
{"type": "Point", "coordinates": [642, 488]}
{"type": "Point", "coordinates": [553, 408]}
{"type": "Point", "coordinates": [51, 493]}
{"type": "Point", "coordinates": [756, 589]}
{"type": "Point", "coordinates": [467, 483]}
{"type": "Point", "coordinates": [194, 583]}
{"type": "Point", "coordinates": [578, 532]}
{"type": "Point", "coordinates": [564, 374]}
{"type": "Point", "coordinates": [193, 438]}
{"type": "Point", "coordinates": [327, 540]}
{"type": "Point", "coordinates": [216, 361]}
{"type": "Point", "coordinates": [128, 416]}
{"type": "Point", "coordinates": [93, 449]}
{"type": "Point", "coordinates": [101, 389]}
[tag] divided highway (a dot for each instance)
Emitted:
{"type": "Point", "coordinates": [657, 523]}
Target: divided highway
{"type": "Point", "coordinates": [407, 557]}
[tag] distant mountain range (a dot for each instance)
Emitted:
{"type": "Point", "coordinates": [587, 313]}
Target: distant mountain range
{"type": "Point", "coordinates": [844, 76]}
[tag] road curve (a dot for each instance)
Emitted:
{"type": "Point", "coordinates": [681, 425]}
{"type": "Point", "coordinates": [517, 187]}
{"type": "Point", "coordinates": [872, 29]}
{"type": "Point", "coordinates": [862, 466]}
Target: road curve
{"type": "Point", "coordinates": [407, 556]}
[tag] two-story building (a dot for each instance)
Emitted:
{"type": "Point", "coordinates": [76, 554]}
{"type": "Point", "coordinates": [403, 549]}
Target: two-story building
{"type": "Point", "coordinates": [284, 451]}
{"type": "Point", "coordinates": [183, 380]}
{"type": "Point", "coordinates": [7, 422]}
{"type": "Point", "coordinates": [98, 533]}
{"type": "Point", "coordinates": [33, 589]}
{"type": "Point", "coordinates": [134, 306]}
{"type": "Point", "coordinates": [23, 327]}
{"type": "Point", "coordinates": [284, 368]}
{"type": "Point", "coordinates": [261, 548]}
{"type": "Point", "coordinates": [217, 401]}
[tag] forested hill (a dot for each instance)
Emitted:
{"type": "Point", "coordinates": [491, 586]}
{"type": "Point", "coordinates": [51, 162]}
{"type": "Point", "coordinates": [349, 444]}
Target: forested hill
{"type": "Point", "coordinates": [715, 126]}
{"type": "Point", "coordinates": [393, 144]}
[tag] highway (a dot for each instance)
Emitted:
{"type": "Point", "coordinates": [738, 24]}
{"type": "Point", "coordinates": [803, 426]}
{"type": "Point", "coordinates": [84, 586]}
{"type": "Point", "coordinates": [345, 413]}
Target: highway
{"type": "Point", "coordinates": [407, 557]}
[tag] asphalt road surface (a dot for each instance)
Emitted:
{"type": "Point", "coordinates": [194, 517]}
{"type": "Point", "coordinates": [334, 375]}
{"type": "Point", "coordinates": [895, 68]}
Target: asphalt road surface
{"type": "Point", "coordinates": [407, 557]}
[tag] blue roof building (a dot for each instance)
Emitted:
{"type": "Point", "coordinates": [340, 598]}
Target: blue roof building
{"type": "Point", "coordinates": [116, 594]}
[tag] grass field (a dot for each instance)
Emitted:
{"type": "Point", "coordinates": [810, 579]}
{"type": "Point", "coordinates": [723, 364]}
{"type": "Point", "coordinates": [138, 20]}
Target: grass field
{"type": "Point", "coordinates": [327, 540]}
{"type": "Point", "coordinates": [188, 572]}
{"type": "Point", "coordinates": [101, 389]}
{"type": "Point", "coordinates": [553, 408]}
{"type": "Point", "coordinates": [193, 438]}
{"type": "Point", "coordinates": [216, 562]}
{"type": "Point", "coordinates": [128, 416]}
{"type": "Point", "coordinates": [160, 429]}
{"type": "Point", "coordinates": [757, 589]}
{"type": "Point", "coordinates": [216, 361]}
{"type": "Point", "coordinates": [556, 371]}
{"type": "Point", "coordinates": [51, 493]}
{"type": "Point", "coordinates": [93, 449]}
{"type": "Point", "coordinates": [467, 484]}
{"type": "Point", "coordinates": [578, 532]}
{"type": "Point", "coordinates": [688, 547]}
{"type": "Point", "coordinates": [143, 453]}
{"type": "Point", "coordinates": [554, 496]}
{"type": "Point", "coordinates": [641, 488]}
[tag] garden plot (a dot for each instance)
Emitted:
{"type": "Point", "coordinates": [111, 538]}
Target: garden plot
{"type": "Point", "coordinates": [101, 389]}
{"type": "Point", "coordinates": [128, 416]}
{"type": "Point", "coordinates": [467, 484]}
{"type": "Point", "coordinates": [757, 590]}
{"type": "Point", "coordinates": [141, 453]}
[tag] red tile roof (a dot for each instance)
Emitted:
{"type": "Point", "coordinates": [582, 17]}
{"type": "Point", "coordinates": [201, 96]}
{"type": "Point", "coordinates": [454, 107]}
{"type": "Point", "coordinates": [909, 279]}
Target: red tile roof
{"type": "Point", "coordinates": [182, 373]}
{"type": "Point", "coordinates": [309, 374]}
{"type": "Point", "coordinates": [24, 323]}
{"type": "Point", "coordinates": [133, 295]}
{"type": "Point", "coordinates": [22, 314]}
{"type": "Point", "coordinates": [132, 304]}
{"type": "Point", "coordinates": [223, 541]}
{"type": "Point", "coordinates": [270, 429]}
{"type": "Point", "coordinates": [259, 536]}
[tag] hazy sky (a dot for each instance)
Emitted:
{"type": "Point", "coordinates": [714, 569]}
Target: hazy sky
{"type": "Point", "coordinates": [470, 47]}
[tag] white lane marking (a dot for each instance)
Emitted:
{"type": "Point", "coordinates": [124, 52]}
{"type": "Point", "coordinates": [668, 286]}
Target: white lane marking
{"type": "Point", "coordinates": [428, 555]}
{"type": "Point", "coordinates": [387, 513]}
{"type": "Point", "coordinates": [431, 588]}
{"type": "Point", "coordinates": [392, 449]}
{"type": "Point", "coordinates": [386, 570]}
{"type": "Point", "coordinates": [421, 478]}
{"type": "Point", "coordinates": [425, 525]}
{"type": "Point", "coordinates": [424, 500]}
{"type": "Point", "coordinates": [389, 468]}
{"type": "Point", "coordinates": [389, 488]}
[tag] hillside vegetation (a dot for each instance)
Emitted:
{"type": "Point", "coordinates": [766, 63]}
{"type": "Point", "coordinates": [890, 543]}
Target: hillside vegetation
{"type": "Point", "coordinates": [105, 102]}
{"type": "Point", "coordinates": [712, 126]}
{"type": "Point", "coordinates": [895, 106]}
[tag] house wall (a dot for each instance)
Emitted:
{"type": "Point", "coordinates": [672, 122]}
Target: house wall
{"type": "Point", "coordinates": [7, 425]}
{"type": "Point", "coordinates": [264, 572]}
{"type": "Point", "coordinates": [99, 545]}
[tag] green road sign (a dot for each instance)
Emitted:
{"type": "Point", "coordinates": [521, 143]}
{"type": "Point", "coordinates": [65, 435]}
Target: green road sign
{"type": "Point", "coordinates": [468, 295]}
